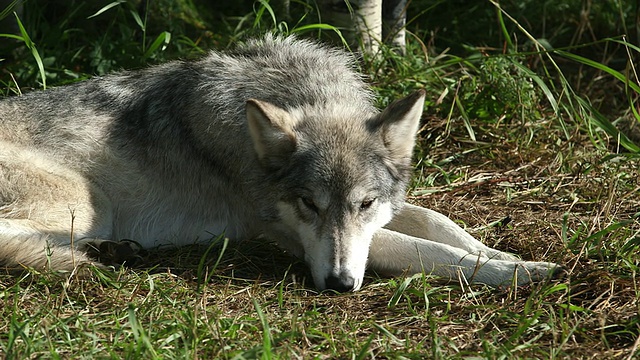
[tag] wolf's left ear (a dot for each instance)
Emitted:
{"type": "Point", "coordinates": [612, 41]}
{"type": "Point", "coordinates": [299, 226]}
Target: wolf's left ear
{"type": "Point", "coordinates": [272, 132]}
{"type": "Point", "coordinates": [399, 123]}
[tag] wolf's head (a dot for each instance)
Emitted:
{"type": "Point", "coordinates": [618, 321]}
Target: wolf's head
{"type": "Point", "coordinates": [340, 174]}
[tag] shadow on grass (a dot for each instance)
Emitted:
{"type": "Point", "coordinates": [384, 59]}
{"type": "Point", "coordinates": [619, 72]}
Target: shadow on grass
{"type": "Point", "coordinates": [255, 261]}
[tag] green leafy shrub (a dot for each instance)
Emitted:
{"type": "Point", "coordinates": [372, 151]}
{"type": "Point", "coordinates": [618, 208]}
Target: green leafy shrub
{"type": "Point", "coordinates": [500, 89]}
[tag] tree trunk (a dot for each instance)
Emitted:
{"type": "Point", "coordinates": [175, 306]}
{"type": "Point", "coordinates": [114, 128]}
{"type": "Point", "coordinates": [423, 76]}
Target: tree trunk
{"type": "Point", "coordinates": [359, 21]}
{"type": "Point", "coordinates": [281, 9]}
{"type": "Point", "coordinates": [394, 19]}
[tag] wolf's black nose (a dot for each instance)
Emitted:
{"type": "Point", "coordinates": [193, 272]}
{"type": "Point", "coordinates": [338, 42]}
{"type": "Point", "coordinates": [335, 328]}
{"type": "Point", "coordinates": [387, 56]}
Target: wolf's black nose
{"type": "Point", "coordinates": [342, 283]}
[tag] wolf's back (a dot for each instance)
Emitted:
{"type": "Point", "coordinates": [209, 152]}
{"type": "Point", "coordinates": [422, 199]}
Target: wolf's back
{"type": "Point", "coordinates": [287, 72]}
{"type": "Point", "coordinates": [179, 97]}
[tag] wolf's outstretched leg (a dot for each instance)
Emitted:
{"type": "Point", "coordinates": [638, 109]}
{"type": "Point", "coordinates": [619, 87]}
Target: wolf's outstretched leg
{"type": "Point", "coordinates": [432, 225]}
{"type": "Point", "coordinates": [393, 253]}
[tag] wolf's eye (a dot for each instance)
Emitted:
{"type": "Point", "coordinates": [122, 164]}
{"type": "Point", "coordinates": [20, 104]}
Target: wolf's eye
{"type": "Point", "coordinates": [367, 204]}
{"type": "Point", "coordinates": [308, 202]}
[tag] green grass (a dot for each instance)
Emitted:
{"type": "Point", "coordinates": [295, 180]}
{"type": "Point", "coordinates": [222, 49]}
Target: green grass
{"type": "Point", "coordinates": [532, 148]}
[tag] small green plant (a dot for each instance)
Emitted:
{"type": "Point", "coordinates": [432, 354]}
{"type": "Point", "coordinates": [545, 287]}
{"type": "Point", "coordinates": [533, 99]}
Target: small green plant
{"type": "Point", "coordinates": [500, 90]}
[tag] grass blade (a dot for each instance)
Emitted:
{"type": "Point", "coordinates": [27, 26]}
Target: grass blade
{"type": "Point", "coordinates": [603, 123]}
{"type": "Point", "coordinates": [596, 65]}
{"type": "Point", "coordinates": [34, 51]}
{"type": "Point", "coordinates": [264, 5]}
{"type": "Point", "coordinates": [139, 332]}
{"type": "Point", "coordinates": [107, 7]}
{"type": "Point", "coordinates": [162, 40]}
{"type": "Point", "coordinates": [266, 332]}
{"type": "Point", "coordinates": [205, 276]}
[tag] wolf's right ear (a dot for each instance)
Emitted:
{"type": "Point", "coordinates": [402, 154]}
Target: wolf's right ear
{"type": "Point", "coordinates": [398, 125]}
{"type": "Point", "coordinates": [272, 132]}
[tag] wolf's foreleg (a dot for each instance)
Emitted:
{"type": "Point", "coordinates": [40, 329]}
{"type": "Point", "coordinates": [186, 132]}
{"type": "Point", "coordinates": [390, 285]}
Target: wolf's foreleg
{"type": "Point", "coordinates": [393, 253]}
{"type": "Point", "coordinates": [432, 225]}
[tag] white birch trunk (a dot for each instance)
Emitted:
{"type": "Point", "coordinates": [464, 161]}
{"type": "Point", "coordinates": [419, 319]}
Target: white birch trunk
{"type": "Point", "coordinates": [360, 21]}
{"type": "Point", "coordinates": [394, 15]}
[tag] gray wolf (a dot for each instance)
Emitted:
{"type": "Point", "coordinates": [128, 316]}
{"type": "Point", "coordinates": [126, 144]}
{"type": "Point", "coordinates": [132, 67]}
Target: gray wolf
{"type": "Point", "coordinates": [279, 138]}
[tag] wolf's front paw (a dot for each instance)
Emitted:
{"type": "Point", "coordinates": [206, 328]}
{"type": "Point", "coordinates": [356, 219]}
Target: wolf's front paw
{"type": "Point", "coordinates": [532, 271]}
{"type": "Point", "coordinates": [109, 252]}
